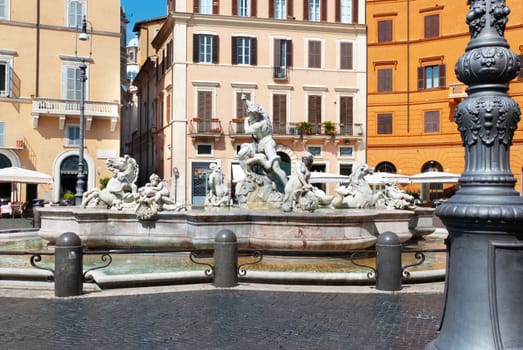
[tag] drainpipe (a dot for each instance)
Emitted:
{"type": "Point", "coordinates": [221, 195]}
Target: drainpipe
{"type": "Point", "coordinates": [37, 48]}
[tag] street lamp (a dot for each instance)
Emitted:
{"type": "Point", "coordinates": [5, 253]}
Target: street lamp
{"type": "Point", "coordinates": [80, 178]}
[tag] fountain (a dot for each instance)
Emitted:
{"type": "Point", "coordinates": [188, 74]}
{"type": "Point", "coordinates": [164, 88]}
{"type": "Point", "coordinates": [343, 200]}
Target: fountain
{"type": "Point", "coordinates": [303, 218]}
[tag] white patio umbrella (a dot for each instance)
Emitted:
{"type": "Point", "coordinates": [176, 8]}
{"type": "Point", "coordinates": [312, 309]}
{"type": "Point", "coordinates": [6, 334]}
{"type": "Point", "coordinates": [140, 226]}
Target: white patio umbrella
{"type": "Point", "coordinates": [435, 177]}
{"type": "Point", "coordinates": [383, 177]}
{"type": "Point", "coordinates": [20, 175]}
{"type": "Point", "coordinates": [320, 177]}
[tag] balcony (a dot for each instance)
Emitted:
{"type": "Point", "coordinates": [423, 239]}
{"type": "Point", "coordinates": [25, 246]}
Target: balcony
{"type": "Point", "coordinates": [204, 128]}
{"type": "Point", "coordinates": [457, 91]}
{"type": "Point", "coordinates": [281, 73]}
{"type": "Point", "coordinates": [63, 108]}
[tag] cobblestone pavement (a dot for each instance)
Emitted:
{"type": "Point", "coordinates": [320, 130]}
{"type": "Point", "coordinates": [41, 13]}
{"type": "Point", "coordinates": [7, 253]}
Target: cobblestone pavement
{"type": "Point", "coordinates": [222, 319]}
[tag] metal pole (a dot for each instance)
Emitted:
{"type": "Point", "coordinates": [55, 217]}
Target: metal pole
{"type": "Point", "coordinates": [68, 279]}
{"type": "Point", "coordinates": [225, 259]}
{"type": "Point", "coordinates": [483, 305]}
{"type": "Point", "coordinates": [80, 178]}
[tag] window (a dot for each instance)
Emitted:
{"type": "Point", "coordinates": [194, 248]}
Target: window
{"type": "Point", "coordinates": [4, 78]}
{"type": "Point", "coordinates": [346, 55]}
{"type": "Point", "coordinates": [431, 121]}
{"type": "Point", "coordinates": [244, 50]}
{"type": "Point", "coordinates": [314, 150]}
{"type": "Point", "coordinates": [279, 9]}
{"type": "Point", "coordinates": [430, 77]}
{"type": "Point", "coordinates": [344, 11]}
{"type": "Point", "coordinates": [314, 10]}
{"type": "Point", "coordinates": [205, 7]}
{"type": "Point", "coordinates": [385, 31]}
{"type": "Point", "coordinates": [71, 82]}
{"type": "Point", "coordinates": [386, 167]}
{"type": "Point", "coordinates": [4, 9]}
{"type": "Point", "coordinates": [205, 48]}
{"type": "Point", "coordinates": [282, 57]}
{"type": "Point", "coordinates": [385, 80]}
{"type": "Point", "coordinates": [431, 26]}
{"type": "Point", "coordinates": [346, 115]}
{"type": "Point", "coordinates": [314, 113]}
{"type": "Point", "coordinates": [385, 123]}
{"type": "Point", "coordinates": [204, 149]}
{"type": "Point", "coordinates": [520, 76]}
{"type": "Point", "coordinates": [2, 134]}
{"type": "Point", "coordinates": [243, 8]}
{"type": "Point", "coordinates": [204, 110]}
{"type": "Point", "coordinates": [346, 151]}
{"type": "Point", "coordinates": [72, 135]}
{"type": "Point", "coordinates": [314, 54]}
{"type": "Point", "coordinates": [279, 114]}
{"type": "Point", "coordinates": [75, 13]}
{"type": "Point", "coordinates": [240, 105]}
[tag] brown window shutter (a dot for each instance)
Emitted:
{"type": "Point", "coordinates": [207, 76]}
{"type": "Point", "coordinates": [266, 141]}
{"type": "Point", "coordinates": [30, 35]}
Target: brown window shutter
{"type": "Point", "coordinates": [442, 76]}
{"type": "Point", "coordinates": [277, 58]}
{"type": "Point", "coordinates": [289, 53]}
{"type": "Point", "coordinates": [216, 7]}
{"type": "Point", "coordinates": [314, 54]}
{"type": "Point", "coordinates": [235, 7]}
{"type": "Point", "coordinates": [346, 111]}
{"type": "Point", "coordinates": [337, 15]}
{"type": "Point", "coordinates": [254, 51]}
{"type": "Point", "coordinates": [323, 10]}
{"type": "Point", "coordinates": [345, 55]}
{"type": "Point", "coordinates": [254, 8]}
{"type": "Point", "coordinates": [215, 49]}
{"type": "Point", "coordinates": [196, 48]}
{"type": "Point", "coordinates": [354, 11]}
{"type": "Point", "coordinates": [290, 9]}
{"type": "Point", "coordinates": [196, 6]}
{"type": "Point", "coordinates": [305, 10]}
{"type": "Point", "coordinates": [271, 8]}
{"type": "Point", "coordinates": [520, 76]}
{"type": "Point", "coordinates": [234, 50]}
{"type": "Point", "coordinates": [421, 78]}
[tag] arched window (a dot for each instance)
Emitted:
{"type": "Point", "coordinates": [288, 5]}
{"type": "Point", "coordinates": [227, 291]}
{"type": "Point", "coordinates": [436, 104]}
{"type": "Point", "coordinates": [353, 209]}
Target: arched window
{"type": "Point", "coordinates": [4, 162]}
{"type": "Point", "coordinates": [385, 167]}
{"type": "Point", "coordinates": [431, 165]}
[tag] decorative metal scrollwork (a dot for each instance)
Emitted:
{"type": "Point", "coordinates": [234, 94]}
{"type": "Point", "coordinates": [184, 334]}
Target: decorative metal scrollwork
{"type": "Point", "coordinates": [258, 255]}
{"type": "Point", "coordinates": [104, 257]}
{"type": "Point", "coordinates": [421, 258]}
{"type": "Point", "coordinates": [197, 255]}
{"type": "Point", "coordinates": [371, 275]}
{"type": "Point", "coordinates": [35, 258]}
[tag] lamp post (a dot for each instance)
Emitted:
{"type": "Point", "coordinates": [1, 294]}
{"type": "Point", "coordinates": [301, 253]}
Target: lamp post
{"type": "Point", "coordinates": [80, 178]}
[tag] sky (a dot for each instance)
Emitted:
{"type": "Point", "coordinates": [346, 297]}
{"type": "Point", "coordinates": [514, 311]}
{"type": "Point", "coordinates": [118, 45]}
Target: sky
{"type": "Point", "coordinates": [138, 10]}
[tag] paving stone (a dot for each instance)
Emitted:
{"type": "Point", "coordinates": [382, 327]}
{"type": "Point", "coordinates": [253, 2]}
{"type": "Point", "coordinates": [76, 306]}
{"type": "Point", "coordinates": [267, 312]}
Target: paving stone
{"type": "Point", "coordinates": [222, 319]}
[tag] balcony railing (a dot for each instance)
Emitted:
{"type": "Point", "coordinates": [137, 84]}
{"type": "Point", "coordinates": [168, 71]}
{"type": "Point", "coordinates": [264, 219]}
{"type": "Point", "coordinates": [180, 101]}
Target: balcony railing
{"type": "Point", "coordinates": [61, 107]}
{"type": "Point", "coordinates": [280, 73]}
{"type": "Point", "coordinates": [206, 127]}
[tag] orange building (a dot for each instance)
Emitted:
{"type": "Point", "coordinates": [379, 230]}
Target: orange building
{"type": "Point", "coordinates": [412, 89]}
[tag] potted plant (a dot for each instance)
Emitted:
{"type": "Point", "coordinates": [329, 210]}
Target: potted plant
{"type": "Point", "coordinates": [304, 128]}
{"type": "Point", "coordinates": [329, 128]}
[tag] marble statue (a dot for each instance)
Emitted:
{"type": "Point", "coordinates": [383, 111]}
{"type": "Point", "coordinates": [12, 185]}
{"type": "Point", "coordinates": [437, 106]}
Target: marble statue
{"type": "Point", "coordinates": [121, 190]}
{"type": "Point", "coordinates": [259, 160]}
{"type": "Point", "coordinates": [155, 197]}
{"type": "Point", "coordinates": [218, 195]}
{"type": "Point", "coordinates": [299, 193]}
{"type": "Point", "coordinates": [396, 198]}
{"type": "Point", "coordinates": [358, 193]}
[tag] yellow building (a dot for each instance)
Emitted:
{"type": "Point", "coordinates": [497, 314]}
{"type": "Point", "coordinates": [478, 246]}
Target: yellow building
{"type": "Point", "coordinates": [412, 88]}
{"type": "Point", "coordinates": [40, 56]}
{"type": "Point", "coordinates": [302, 61]}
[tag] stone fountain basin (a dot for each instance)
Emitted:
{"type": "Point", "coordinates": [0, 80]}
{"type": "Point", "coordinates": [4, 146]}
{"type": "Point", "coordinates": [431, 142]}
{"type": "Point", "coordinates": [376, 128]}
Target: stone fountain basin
{"type": "Point", "coordinates": [325, 229]}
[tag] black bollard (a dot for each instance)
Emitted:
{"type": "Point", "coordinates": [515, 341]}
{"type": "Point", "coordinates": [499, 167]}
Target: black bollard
{"type": "Point", "coordinates": [388, 262]}
{"type": "Point", "coordinates": [225, 259]}
{"type": "Point", "coordinates": [68, 276]}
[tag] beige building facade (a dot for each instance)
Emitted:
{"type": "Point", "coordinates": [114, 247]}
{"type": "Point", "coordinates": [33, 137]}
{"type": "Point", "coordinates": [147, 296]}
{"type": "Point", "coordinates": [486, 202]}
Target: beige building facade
{"type": "Point", "coordinates": [304, 62]}
{"type": "Point", "coordinates": [40, 87]}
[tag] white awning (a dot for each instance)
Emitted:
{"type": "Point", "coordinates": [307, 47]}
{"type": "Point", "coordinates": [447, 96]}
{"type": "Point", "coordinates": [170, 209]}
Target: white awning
{"type": "Point", "coordinates": [20, 175]}
{"type": "Point", "coordinates": [320, 177]}
{"type": "Point", "coordinates": [435, 177]}
{"type": "Point", "coordinates": [237, 173]}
